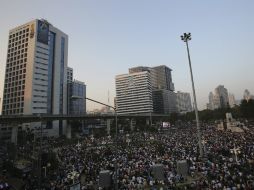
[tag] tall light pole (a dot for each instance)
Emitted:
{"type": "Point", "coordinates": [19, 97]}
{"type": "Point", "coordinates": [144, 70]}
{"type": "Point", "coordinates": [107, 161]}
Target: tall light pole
{"type": "Point", "coordinates": [186, 37]}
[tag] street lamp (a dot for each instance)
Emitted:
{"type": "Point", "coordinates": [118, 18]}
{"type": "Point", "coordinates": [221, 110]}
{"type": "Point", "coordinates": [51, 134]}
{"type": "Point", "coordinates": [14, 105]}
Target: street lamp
{"type": "Point", "coordinates": [186, 37]}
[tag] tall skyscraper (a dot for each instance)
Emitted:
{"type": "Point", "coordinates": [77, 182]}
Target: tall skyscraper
{"type": "Point", "coordinates": [69, 74]}
{"type": "Point", "coordinates": [134, 93]}
{"type": "Point", "coordinates": [222, 93]}
{"type": "Point", "coordinates": [76, 98]}
{"type": "Point", "coordinates": [36, 72]}
{"type": "Point", "coordinates": [231, 100]}
{"type": "Point", "coordinates": [219, 99]}
{"type": "Point", "coordinates": [163, 78]}
{"type": "Point", "coordinates": [247, 96]}
{"type": "Point", "coordinates": [161, 87]}
{"type": "Point", "coordinates": [183, 102]}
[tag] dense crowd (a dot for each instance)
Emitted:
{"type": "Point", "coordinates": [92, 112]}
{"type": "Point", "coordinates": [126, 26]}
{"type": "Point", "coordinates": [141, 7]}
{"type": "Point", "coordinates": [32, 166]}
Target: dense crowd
{"type": "Point", "coordinates": [228, 161]}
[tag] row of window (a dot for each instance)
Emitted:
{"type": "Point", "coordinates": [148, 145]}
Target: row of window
{"type": "Point", "coordinates": [15, 68]}
{"type": "Point", "coordinates": [13, 100]}
{"type": "Point", "coordinates": [13, 79]}
{"type": "Point", "coordinates": [21, 60]}
{"type": "Point", "coordinates": [17, 51]}
{"type": "Point", "coordinates": [13, 106]}
{"type": "Point", "coordinates": [18, 41]}
{"type": "Point", "coordinates": [14, 84]}
{"type": "Point", "coordinates": [26, 30]}
{"type": "Point", "coordinates": [15, 73]}
{"type": "Point", "coordinates": [14, 94]}
{"type": "Point", "coordinates": [18, 54]}
{"type": "Point", "coordinates": [14, 89]}
{"type": "Point", "coordinates": [16, 111]}
{"type": "Point", "coordinates": [17, 46]}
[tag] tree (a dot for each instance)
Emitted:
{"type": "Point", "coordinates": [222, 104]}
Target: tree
{"type": "Point", "coordinates": [247, 108]}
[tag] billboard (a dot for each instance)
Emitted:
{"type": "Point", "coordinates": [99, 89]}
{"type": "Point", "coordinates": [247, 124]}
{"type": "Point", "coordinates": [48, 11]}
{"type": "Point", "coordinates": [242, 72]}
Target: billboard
{"type": "Point", "coordinates": [165, 125]}
{"type": "Point", "coordinates": [42, 32]}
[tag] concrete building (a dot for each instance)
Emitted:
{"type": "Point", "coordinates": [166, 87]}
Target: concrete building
{"type": "Point", "coordinates": [69, 74]}
{"type": "Point", "coordinates": [161, 88]}
{"type": "Point", "coordinates": [219, 99]}
{"type": "Point", "coordinates": [231, 100]}
{"type": "Point", "coordinates": [163, 78]}
{"type": "Point", "coordinates": [183, 102]}
{"type": "Point", "coordinates": [134, 93]}
{"type": "Point", "coordinates": [247, 96]}
{"type": "Point", "coordinates": [164, 101]}
{"type": "Point", "coordinates": [210, 105]}
{"type": "Point", "coordinates": [222, 93]}
{"type": "Point", "coordinates": [36, 73]}
{"type": "Point", "coordinates": [76, 98]}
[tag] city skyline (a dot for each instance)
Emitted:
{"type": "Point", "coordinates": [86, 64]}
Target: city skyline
{"type": "Point", "coordinates": [107, 38]}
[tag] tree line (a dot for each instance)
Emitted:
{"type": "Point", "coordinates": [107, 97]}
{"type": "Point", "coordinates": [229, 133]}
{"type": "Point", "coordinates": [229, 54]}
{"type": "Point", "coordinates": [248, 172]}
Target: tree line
{"type": "Point", "coordinates": [243, 111]}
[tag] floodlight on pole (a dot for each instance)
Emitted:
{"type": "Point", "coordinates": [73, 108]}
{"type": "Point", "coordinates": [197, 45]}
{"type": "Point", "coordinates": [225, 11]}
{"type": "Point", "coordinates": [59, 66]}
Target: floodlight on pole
{"type": "Point", "coordinates": [186, 37]}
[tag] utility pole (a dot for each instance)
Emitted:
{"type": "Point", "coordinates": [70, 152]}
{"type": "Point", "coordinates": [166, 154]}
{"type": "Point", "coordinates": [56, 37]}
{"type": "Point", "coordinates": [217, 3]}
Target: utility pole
{"type": "Point", "coordinates": [186, 37]}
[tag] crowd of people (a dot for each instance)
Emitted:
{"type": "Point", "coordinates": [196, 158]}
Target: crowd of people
{"type": "Point", "coordinates": [227, 163]}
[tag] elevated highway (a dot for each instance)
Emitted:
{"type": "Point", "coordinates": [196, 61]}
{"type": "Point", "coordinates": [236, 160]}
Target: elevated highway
{"type": "Point", "coordinates": [44, 117]}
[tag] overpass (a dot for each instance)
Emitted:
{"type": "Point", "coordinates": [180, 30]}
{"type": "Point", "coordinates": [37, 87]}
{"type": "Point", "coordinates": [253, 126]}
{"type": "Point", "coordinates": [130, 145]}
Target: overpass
{"type": "Point", "coordinates": [44, 117]}
{"type": "Point", "coordinates": [14, 120]}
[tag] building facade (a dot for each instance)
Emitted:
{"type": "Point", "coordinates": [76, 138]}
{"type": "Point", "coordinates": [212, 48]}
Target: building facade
{"type": "Point", "coordinates": [69, 74]}
{"type": "Point", "coordinates": [164, 101]}
{"type": "Point", "coordinates": [134, 93]}
{"type": "Point", "coordinates": [247, 95]}
{"type": "Point", "coordinates": [76, 98]}
{"type": "Point", "coordinates": [219, 99]}
{"type": "Point", "coordinates": [36, 72]}
{"type": "Point", "coordinates": [231, 100]}
{"type": "Point", "coordinates": [183, 102]}
{"type": "Point", "coordinates": [157, 85]}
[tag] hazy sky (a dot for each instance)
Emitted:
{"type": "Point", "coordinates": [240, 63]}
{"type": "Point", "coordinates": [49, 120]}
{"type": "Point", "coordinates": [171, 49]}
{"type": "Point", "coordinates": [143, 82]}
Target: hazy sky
{"type": "Point", "coordinates": [106, 37]}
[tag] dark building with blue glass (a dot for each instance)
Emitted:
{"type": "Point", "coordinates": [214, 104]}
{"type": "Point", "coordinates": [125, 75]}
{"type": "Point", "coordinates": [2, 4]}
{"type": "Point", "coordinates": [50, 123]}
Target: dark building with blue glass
{"type": "Point", "coordinates": [76, 98]}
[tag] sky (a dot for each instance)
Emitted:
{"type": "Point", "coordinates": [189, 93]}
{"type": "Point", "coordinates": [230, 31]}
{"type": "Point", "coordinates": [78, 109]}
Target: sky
{"type": "Point", "coordinates": [107, 37]}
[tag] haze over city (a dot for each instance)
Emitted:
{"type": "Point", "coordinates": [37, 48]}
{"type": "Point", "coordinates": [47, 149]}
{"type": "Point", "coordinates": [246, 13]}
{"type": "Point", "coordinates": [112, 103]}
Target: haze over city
{"type": "Point", "coordinates": [108, 37]}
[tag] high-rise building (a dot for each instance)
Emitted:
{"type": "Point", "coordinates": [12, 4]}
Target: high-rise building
{"type": "Point", "coordinates": [247, 96]}
{"type": "Point", "coordinates": [76, 97]}
{"type": "Point", "coordinates": [36, 72]}
{"type": "Point", "coordinates": [134, 93]}
{"type": "Point", "coordinates": [163, 78]}
{"type": "Point", "coordinates": [210, 105]}
{"type": "Point", "coordinates": [183, 102]}
{"type": "Point", "coordinates": [69, 74]}
{"type": "Point", "coordinates": [222, 93]}
{"type": "Point", "coordinates": [231, 100]}
{"type": "Point", "coordinates": [164, 101]}
{"type": "Point", "coordinates": [161, 86]}
{"type": "Point", "coordinates": [219, 99]}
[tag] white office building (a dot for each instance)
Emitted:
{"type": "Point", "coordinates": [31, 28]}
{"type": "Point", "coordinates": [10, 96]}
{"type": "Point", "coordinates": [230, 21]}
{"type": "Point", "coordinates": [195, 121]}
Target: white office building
{"type": "Point", "coordinates": [36, 73]}
{"type": "Point", "coordinates": [231, 99]}
{"type": "Point", "coordinates": [134, 93]}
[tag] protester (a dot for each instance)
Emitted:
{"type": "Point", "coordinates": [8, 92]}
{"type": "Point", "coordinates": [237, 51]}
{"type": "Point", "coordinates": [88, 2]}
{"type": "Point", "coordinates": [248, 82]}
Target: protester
{"type": "Point", "coordinates": [227, 163]}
